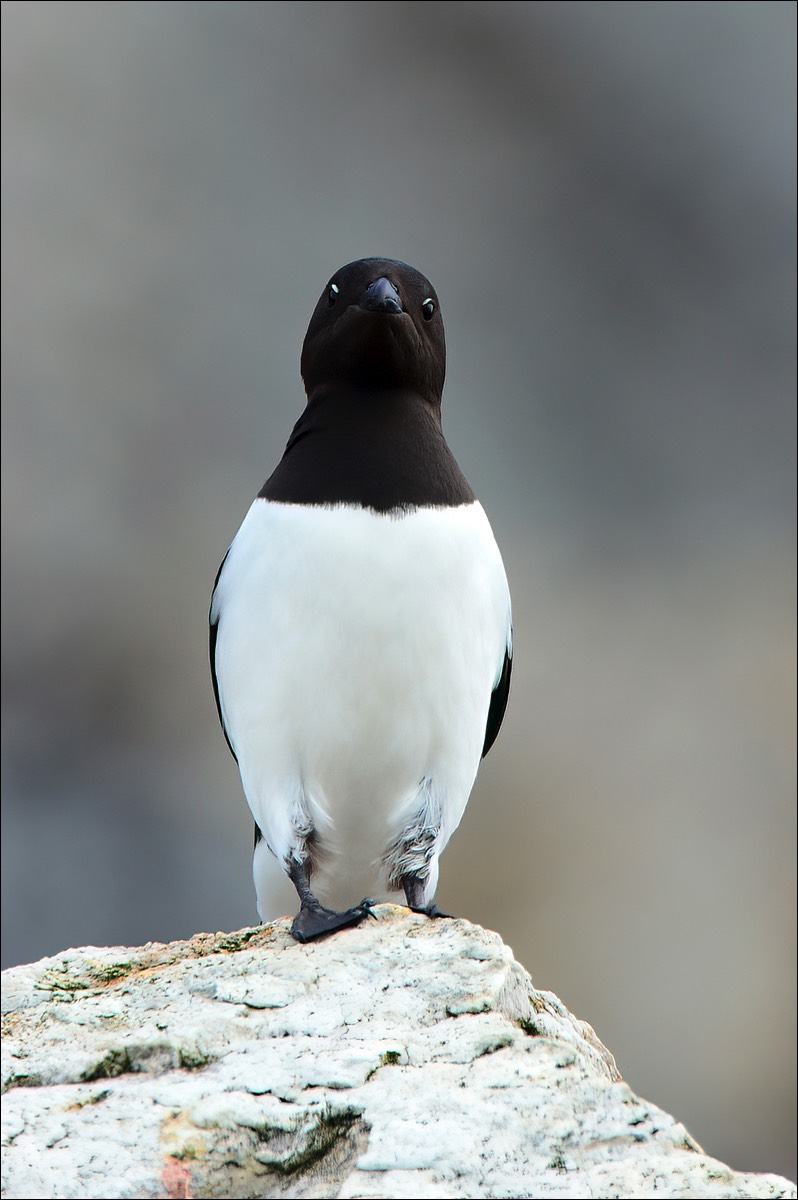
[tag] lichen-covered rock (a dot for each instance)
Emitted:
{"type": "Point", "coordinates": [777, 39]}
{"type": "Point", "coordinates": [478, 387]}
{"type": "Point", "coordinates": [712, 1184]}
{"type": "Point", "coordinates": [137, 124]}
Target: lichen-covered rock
{"type": "Point", "coordinates": [405, 1057]}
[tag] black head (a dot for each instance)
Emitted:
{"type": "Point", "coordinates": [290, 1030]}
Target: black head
{"type": "Point", "coordinates": [377, 325]}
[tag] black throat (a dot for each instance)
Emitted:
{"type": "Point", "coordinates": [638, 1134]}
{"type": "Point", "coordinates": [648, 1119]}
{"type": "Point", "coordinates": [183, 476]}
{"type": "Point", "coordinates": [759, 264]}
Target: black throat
{"type": "Point", "coordinates": [382, 450]}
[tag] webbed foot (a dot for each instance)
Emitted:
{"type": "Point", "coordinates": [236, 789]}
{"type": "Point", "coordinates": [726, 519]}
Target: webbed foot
{"type": "Point", "coordinates": [314, 920]}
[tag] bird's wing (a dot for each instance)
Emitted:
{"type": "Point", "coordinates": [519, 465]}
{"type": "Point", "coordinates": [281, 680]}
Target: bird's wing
{"type": "Point", "coordinates": [498, 699]}
{"type": "Point", "coordinates": [213, 618]}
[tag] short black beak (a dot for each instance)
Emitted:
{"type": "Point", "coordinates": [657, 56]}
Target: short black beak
{"type": "Point", "coordinates": [381, 296]}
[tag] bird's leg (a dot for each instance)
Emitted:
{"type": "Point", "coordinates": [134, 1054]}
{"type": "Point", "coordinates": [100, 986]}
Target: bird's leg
{"type": "Point", "coordinates": [314, 920]}
{"type": "Point", "coordinates": [414, 888]}
{"type": "Point", "coordinates": [410, 858]}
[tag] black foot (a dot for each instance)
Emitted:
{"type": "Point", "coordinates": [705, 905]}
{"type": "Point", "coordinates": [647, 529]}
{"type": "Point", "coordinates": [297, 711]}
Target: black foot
{"type": "Point", "coordinates": [430, 910]}
{"type": "Point", "coordinates": [315, 921]}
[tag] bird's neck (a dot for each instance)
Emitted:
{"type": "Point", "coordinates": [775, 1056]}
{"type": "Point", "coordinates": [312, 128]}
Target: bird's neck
{"type": "Point", "coordinates": [372, 406]}
{"type": "Point", "coordinates": [380, 449]}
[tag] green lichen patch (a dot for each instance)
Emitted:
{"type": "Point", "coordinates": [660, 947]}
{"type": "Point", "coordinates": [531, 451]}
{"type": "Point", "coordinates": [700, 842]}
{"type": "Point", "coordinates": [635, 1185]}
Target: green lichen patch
{"type": "Point", "coordinates": [115, 1062]}
{"type": "Point", "coordinates": [149, 1056]}
{"type": "Point", "coordinates": [529, 1027]}
{"type": "Point", "coordinates": [22, 1080]}
{"type": "Point", "coordinates": [203, 945]}
{"type": "Point", "coordinates": [105, 973]}
{"type": "Point", "coordinates": [60, 980]}
{"type": "Point", "coordinates": [190, 1058]}
{"type": "Point", "coordinates": [63, 981]}
{"type": "Point", "coordinates": [187, 1153]}
{"type": "Point", "coordinates": [235, 941]}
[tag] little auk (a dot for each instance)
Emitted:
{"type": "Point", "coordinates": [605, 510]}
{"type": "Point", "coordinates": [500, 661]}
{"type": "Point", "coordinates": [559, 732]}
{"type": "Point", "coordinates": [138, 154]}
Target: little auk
{"type": "Point", "coordinates": [360, 624]}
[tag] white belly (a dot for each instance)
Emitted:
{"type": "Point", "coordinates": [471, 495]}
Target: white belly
{"type": "Point", "coordinates": [355, 657]}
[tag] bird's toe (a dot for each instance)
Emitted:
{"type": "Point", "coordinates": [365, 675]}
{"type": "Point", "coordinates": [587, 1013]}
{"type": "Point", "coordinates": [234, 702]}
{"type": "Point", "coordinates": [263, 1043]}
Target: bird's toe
{"type": "Point", "coordinates": [430, 910]}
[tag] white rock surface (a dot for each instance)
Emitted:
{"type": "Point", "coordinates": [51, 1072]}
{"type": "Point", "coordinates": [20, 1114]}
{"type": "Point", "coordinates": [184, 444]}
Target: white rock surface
{"type": "Point", "coordinates": [404, 1058]}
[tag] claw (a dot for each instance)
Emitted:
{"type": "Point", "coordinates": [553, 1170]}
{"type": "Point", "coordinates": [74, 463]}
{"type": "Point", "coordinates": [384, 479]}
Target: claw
{"type": "Point", "coordinates": [366, 907]}
{"type": "Point", "coordinates": [430, 910]}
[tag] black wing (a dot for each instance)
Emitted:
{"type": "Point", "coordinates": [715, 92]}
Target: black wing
{"type": "Point", "coordinates": [498, 701]}
{"type": "Point", "coordinates": [214, 633]}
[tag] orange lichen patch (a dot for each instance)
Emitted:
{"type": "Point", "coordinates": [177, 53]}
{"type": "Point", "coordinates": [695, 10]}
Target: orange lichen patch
{"type": "Point", "coordinates": [11, 1024]}
{"type": "Point", "coordinates": [176, 1179]}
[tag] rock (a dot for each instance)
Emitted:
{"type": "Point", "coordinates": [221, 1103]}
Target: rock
{"type": "Point", "coordinates": [406, 1057]}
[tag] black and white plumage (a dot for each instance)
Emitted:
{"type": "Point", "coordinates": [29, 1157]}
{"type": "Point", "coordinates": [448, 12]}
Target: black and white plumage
{"type": "Point", "coordinates": [361, 638]}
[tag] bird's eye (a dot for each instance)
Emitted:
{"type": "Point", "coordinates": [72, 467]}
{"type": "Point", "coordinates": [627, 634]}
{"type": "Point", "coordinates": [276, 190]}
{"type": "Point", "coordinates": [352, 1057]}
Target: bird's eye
{"type": "Point", "coordinates": [332, 295]}
{"type": "Point", "coordinates": [428, 309]}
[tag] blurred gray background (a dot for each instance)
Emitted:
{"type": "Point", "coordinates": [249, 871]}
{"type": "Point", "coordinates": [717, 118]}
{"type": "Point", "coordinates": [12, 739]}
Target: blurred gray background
{"type": "Point", "coordinates": [603, 195]}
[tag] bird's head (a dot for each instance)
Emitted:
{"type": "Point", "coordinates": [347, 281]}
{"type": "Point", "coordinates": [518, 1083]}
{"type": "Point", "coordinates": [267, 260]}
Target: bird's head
{"type": "Point", "coordinates": [377, 326]}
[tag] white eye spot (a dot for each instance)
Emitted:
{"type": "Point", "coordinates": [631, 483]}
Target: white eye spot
{"type": "Point", "coordinates": [428, 309]}
{"type": "Point", "coordinates": [332, 294]}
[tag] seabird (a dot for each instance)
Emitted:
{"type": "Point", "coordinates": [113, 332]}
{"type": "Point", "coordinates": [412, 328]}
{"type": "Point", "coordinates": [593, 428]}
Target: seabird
{"type": "Point", "coordinates": [360, 624]}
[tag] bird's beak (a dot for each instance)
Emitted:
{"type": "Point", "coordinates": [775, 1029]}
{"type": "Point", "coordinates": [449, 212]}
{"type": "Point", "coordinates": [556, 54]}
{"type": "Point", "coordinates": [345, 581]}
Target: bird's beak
{"type": "Point", "coordinates": [381, 296]}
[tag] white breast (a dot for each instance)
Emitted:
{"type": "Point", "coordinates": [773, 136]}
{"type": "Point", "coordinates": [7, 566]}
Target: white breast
{"type": "Point", "coordinates": [356, 656]}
